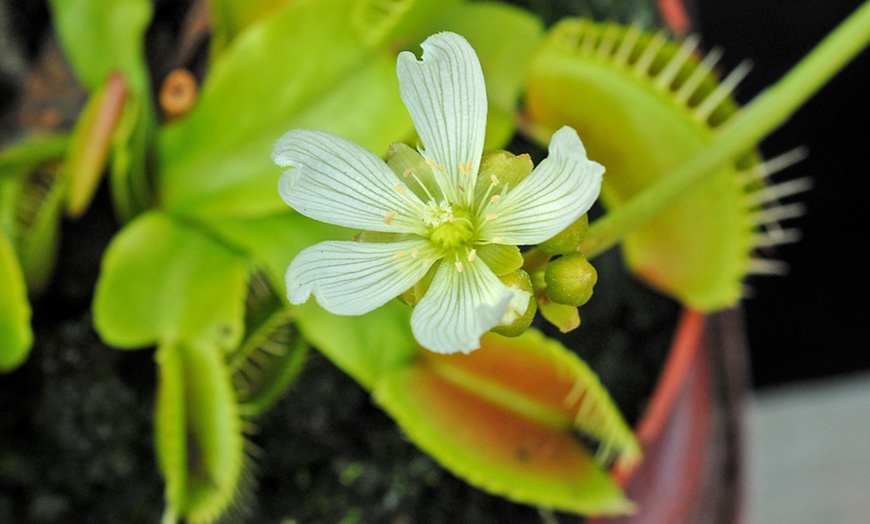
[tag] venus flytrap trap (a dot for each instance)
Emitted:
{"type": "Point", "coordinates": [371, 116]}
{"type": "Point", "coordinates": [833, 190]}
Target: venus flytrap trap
{"type": "Point", "coordinates": [663, 198]}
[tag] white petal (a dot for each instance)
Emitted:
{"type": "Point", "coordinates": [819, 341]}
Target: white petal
{"type": "Point", "coordinates": [446, 96]}
{"type": "Point", "coordinates": [459, 307]}
{"type": "Point", "coordinates": [557, 192]}
{"type": "Point", "coordinates": [352, 278]}
{"type": "Point", "coordinates": [338, 182]}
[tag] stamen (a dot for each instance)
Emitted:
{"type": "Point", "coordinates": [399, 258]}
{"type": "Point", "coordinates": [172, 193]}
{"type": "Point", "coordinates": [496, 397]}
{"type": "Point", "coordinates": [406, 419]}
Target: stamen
{"type": "Point", "coordinates": [415, 252]}
{"type": "Point", "coordinates": [494, 198]}
{"type": "Point", "coordinates": [439, 167]}
{"type": "Point", "coordinates": [399, 189]}
{"type": "Point", "coordinates": [472, 255]}
{"type": "Point", "coordinates": [461, 188]}
{"type": "Point", "coordinates": [430, 162]}
{"type": "Point", "coordinates": [495, 240]}
{"type": "Point", "coordinates": [427, 262]}
{"type": "Point", "coordinates": [399, 255]}
{"type": "Point", "coordinates": [459, 266]}
{"type": "Point", "coordinates": [494, 179]}
{"type": "Point", "coordinates": [490, 216]}
{"type": "Point", "coordinates": [388, 218]}
{"type": "Point", "coordinates": [425, 189]}
{"type": "Point", "coordinates": [465, 167]}
{"type": "Point", "coordinates": [408, 172]}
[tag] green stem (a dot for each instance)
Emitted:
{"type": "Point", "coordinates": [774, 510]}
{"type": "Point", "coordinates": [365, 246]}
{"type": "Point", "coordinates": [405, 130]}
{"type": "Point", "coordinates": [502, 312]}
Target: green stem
{"type": "Point", "coordinates": [757, 120]}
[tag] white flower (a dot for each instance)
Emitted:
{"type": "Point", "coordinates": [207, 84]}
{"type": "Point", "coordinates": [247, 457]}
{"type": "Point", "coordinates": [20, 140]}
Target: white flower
{"type": "Point", "coordinates": [435, 209]}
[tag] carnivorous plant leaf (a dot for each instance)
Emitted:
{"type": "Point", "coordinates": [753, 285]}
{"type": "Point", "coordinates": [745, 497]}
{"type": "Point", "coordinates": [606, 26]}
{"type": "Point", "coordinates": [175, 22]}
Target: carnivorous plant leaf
{"type": "Point", "coordinates": [16, 335]}
{"type": "Point", "coordinates": [199, 439]}
{"type": "Point", "coordinates": [165, 280]}
{"type": "Point", "coordinates": [503, 418]}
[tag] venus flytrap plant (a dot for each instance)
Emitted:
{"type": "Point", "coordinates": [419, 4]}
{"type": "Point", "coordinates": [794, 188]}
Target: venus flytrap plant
{"type": "Point", "coordinates": [437, 210]}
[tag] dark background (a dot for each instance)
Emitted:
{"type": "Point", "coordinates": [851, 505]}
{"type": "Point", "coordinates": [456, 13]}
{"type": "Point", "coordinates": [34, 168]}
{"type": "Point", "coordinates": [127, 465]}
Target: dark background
{"type": "Point", "coordinates": [813, 322]}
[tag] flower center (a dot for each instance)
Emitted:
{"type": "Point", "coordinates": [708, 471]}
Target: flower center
{"type": "Point", "coordinates": [454, 232]}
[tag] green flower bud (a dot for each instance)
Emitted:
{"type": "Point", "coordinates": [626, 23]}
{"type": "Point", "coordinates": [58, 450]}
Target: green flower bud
{"type": "Point", "coordinates": [514, 324]}
{"type": "Point", "coordinates": [570, 279]}
{"type": "Point", "coordinates": [564, 317]}
{"type": "Point", "coordinates": [568, 240]}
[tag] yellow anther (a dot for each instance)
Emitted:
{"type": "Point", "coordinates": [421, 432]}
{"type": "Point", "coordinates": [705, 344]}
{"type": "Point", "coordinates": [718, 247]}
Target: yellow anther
{"type": "Point", "coordinates": [427, 262]}
{"type": "Point", "coordinates": [494, 179]}
{"type": "Point", "coordinates": [399, 255]}
{"type": "Point", "coordinates": [465, 167]}
{"type": "Point", "coordinates": [495, 240]}
{"type": "Point", "coordinates": [399, 189]}
{"type": "Point", "coordinates": [494, 198]}
{"type": "Point", "coordinates": [439, 167]}
{"type": "Point", "coordinates": [388, 218]}
{"type": "Point", "coordinates": [430, 162]}
{"type": "Point", "coordinates": [462, 188]}
{"type": "Point", "coordinates": [472, 255]}
{"type": "Point", "coordinates": [415, 252]}
{"type": "Point", "coordinates": [408, 172]}
{"type": "Point", "coordinates": [490, 216]}
{"type": "Point", "coordinates": [459, 266]}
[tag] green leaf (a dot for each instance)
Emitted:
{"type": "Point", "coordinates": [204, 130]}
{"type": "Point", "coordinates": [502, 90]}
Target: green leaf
{"type": "Point", "coordinates": [132, 157]}
{"type": "Point", "coordinates": [91, 139]}
{"type": "Point", "coordinates": [100, 37]}
{"type": "Point", "coordinates": [305, 66]}
{"type": "Point", "coordinates": [365, 347]}
{"type": "Point", "coordinates": [198, 431]}
{"type": "Point", "coordinates": [16, 336]}
{"type": "Point", "coordinates": [115, 43]}
{"type": "Point", "coordinates": [272, 241]}
{"type": "Point", "coordinates": [166, 280]}
{"type": "Point", "coordinates": [230, 17]}
{"type": "Point", "coordinates": [503, 418]}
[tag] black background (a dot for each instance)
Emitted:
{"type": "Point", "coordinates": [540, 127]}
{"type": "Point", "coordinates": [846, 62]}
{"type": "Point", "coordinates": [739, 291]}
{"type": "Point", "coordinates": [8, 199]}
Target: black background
{"type": "Point", "coordinates": [813, 322]}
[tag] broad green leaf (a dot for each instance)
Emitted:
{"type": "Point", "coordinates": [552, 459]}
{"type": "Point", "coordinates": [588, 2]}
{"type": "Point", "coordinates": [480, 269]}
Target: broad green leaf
{"type": "Point", "coordinates": [642, 125]}
{"type": "Point", "coordinates": [16, 336]}
{"type": "Point", "coordinates": [303, 66]}
{"type": "Point", "coordinates": [32, 192]}
{"type": "Point", "coordinates": [504, 38]}
{"type": "Point", "coordinates": [503, 418]}
{"type": "Point", "coordinates": [198, 431]}
{"type": "Point", "coordinates": [163, 279]}
{"type": "Point", "coordinates": [272, 241]}
{"type": "Point", "coordinates": [365, 347]}
{"type": "Point", "coordinates": [231, 17]}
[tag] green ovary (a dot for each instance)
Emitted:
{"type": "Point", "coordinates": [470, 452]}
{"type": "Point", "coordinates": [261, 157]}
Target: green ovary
{"type": "Point", "coordinates": [452, 234]}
